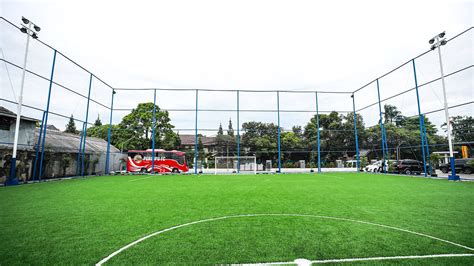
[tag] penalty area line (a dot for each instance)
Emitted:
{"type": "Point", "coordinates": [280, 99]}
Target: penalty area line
{"type": "Point", "coordinates": [365, 259]}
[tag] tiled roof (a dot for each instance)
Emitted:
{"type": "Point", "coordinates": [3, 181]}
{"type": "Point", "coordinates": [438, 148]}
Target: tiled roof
{"type": "Point", "coordinates": [188, 139]}
{"type": "Point", "coordinates": [5, 112]}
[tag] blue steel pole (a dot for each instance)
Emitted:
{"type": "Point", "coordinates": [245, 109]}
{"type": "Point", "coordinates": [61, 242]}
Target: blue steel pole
{"type": "Point", "coordinates": [382, 128]}
{"type": "Point", "coordinates": [318, 135]}
{"type": "Point", "coordinates": [238, 133]}
{"type": "Point", "coordinates": [427, 147]}
{"type": "Point", "coordinates": [420, 118]}
{"type": "Point", "coordinates": [46, 116]}
{"type": "Point", "coordinates": [196, 136]}
{"type": "Point", "coordinates": [84, 132]}
{"type": "Point", "coordinates": [79, 153]}
{"type": "Point", "coordinates": [279, 133]}
{"type": "Point", "coordinates": [38, 148]}
{"type": "Point", "coordinates": [109, 135]}
{"type": "Point", "coordinates": [153, 134]}
{"type": "Point", "coordinates": [355, 133]}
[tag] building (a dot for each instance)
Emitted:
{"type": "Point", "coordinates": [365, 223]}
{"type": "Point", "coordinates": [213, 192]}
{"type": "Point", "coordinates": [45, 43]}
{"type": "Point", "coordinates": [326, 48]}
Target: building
{"type": "Point", "coordinates": [61, 150]}
{"type": "Point", "coordinates": [188, 142]}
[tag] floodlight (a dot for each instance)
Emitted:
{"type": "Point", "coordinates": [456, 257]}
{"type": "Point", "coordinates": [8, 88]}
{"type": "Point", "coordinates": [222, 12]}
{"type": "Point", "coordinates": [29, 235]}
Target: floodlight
{"type": "Point", "coordinates": [24, 30]}
{"type": "Point", "coordinates": [34, 35]}
{"type": "Point", "coordinates": [432, 41]}
{"type": "Point", "coordinates": [441, 35]}
{"type": "Point", "coordinates": [443, 42]}
{"type": "Point", "coordinates": [37, 28]}
{"type": "Point", "coordinates": [25, 20]}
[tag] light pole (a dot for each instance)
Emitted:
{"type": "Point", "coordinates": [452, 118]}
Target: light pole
{"type": "Point", "coordinates": [30, 29]}
{"type": "Point", "coordinates": [436, 42]}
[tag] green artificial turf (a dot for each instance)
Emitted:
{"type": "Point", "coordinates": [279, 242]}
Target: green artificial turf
{"type": "Point", "coordinates": [81, 221]}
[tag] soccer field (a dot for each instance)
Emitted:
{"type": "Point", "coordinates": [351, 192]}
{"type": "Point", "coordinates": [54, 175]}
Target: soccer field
{"type": "Point", "coordinates": [236, 219]}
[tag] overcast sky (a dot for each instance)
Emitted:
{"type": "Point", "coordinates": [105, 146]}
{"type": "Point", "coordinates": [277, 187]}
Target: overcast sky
{"type": "Point", "coordinates": [265, 45]}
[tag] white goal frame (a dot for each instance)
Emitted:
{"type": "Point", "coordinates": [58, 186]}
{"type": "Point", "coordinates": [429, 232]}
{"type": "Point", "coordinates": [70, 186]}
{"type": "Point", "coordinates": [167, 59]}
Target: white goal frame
{"type": "Point", "coordinates": [233, 159]}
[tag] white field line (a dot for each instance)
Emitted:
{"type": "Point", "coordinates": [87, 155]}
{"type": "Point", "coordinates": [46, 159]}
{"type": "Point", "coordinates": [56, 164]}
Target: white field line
{"type": "Point", "coordinates": [139, 179]}
{"type": "Point", "coordinates": [366, 259]}
{"type": "Point", "coordinates": [104, 260]}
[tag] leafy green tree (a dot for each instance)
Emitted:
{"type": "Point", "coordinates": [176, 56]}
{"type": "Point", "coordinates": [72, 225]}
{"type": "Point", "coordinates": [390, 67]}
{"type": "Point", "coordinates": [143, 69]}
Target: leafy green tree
{"type": "Point", "coordinates": [462, 128]}
{"type": "Point", "coordinates": [71, 126]}
{"type": "Point", "coordinates": [390, 113]}
{"type": "Point", "coordinates": [135, 130]}
{"type": "Point", "coordinates": [260, 139]}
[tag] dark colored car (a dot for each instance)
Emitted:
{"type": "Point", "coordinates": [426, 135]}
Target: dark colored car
{"type": "Point", "coordinates": [409, 167]}
{"type": "Point", "coordinates": [461, 165]}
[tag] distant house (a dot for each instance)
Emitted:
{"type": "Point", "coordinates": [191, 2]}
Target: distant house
{"type": "Point", "coordinates": [61, 150]}
{"type": "Point", "coordinates": [188, 141]}
{"type": "Point", "coordinates": [26, 137]}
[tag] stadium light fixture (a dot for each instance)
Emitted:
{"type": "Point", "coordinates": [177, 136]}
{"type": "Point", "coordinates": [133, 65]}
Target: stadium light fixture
{"type": "Point", "coordinates": [30, 29]}
{"type": "Point", "coordinates": [437, 41]}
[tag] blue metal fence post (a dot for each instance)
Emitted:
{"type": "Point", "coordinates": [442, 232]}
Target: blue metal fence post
{"type": "Point", "coordinates": [109, 135]}
{"type": "Point", "coordinates": [196, 136]}
{"type": "Point", "coordinates": [79, 152]}
{"type": "Point", "coordinates": [279, 132]}
{"type": "Point", "coordinates": [153, 134]}
{"type": "Point", "coordinates": [238, 133]}
{"type": "Point", "coordinates": [318, 135]}
{"type": "Point", "coordinates": [44, 128]}
{"type": "Point", "coordinates": [425, 136]}
{"type": "Point", "coordinates": [355, 133]}
{"type": "Point", "coordinates": [420, 118]}
{"type": "Point", "coordinates": [38, 145]}
{"type": "Point", "coordinates": [382, 128]}
{"type": "Point", "coordinates": [84, 132]}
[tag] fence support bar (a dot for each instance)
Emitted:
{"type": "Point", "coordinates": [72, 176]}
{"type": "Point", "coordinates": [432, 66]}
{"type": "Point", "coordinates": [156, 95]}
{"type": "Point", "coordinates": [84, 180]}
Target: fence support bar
{"type": "Point", "coordinates": [318, 135]}
{"type": "Point", "coordinates": [153, 134]}
{"type": "Point", "coordinates": [84, 132]}
{"type": "Point", "coordinates": [238, 133]}
{"type": "Point", "coordinates": [109, 135]}
{"type": "Point", "coordinates": [355, 134]}
{"type": "Point", "coordinates": [279, 133]}
{"type": "Point", "coordinates": [382, 129]}
{"type": "Point", "coordinates": [46, 117]}
{"type": "Point", "coordinates": [33, 177]}
{"type": "Point", "coordinates": [196, 136]}
{"type": "Point", "coordinates": [420, 118]}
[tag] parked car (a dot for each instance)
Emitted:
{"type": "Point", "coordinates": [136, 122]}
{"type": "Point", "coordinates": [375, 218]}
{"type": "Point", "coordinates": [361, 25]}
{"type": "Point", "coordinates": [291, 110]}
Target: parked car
{"type": "Point", "coordinates": [409, 167]}
{"type": "Point", "coordinates": [461, 165]}
{"type": "Point", "coordinates": [374, 167]}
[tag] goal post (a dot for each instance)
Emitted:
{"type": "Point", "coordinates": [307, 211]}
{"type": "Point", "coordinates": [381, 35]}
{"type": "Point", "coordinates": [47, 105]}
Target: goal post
{"type": "Point", "coordinates": [230, 164]}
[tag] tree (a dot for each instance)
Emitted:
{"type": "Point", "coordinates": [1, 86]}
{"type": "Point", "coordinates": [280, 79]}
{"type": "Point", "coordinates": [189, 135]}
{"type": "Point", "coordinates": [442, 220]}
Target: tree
{"type": "Point", "coordinates": [260, 139]}
{"type": "Point", "coordinates": [462, 128]}
{"type": "Point", "coordinates": [71, 126]}
{"type": "Point", "coordinates": [390, 113]}
{"type": "Point", "coordinates": [230, 130]}
{"type": "Point", "coordinates": [220, 132]}
{"type": "Point", "coordinates": [97, 122]}
{"type": "Point", "coordinates": [135, 130]}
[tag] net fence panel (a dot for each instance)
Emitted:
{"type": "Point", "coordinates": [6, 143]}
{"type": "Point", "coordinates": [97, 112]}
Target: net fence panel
{"type": "Point", "coordinates": [234, 164]}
